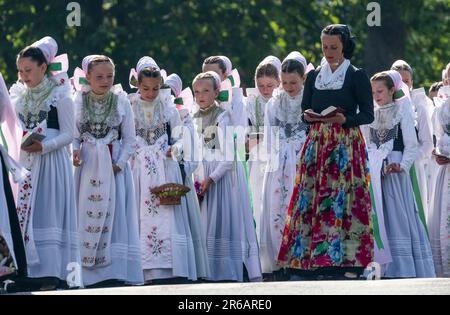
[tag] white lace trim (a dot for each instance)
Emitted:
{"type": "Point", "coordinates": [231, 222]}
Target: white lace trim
{"type": "Point", "coordinates": [19, 90]}
{"type": "Point", "coordinates": [287, 109]}
{"type": "Point", "coordinates": [388, 116]}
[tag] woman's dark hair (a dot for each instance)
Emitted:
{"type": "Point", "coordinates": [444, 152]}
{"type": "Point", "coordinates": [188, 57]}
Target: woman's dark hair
{"type": "Point", "coordinates": [98, 60]}
{"type": "Point", "coordinates": [149, 72]}
{"type": "Point", "coordinates": [344, 33]}
{"type": "Point", "coordinates": [267, 70]}
{"type": "Point", "coordinates": [34, 54]}
{"type": "Point", "coordinates": [216, 60]}
{"type": "Point", "coordinates": [383, 76]}
{"type": "Point", "coordinates": [293, 66]}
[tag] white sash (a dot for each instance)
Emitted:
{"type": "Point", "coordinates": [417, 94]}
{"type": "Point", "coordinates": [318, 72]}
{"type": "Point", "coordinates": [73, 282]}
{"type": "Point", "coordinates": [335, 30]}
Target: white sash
{"type": "Point", "coordinates": [26, 197]}
{"type": "Point", "coordinates": [155, 219]}
{"type": "Point", "coordinates": [96, 203]}
{"type": "Point", "coordinates": [382, 256]}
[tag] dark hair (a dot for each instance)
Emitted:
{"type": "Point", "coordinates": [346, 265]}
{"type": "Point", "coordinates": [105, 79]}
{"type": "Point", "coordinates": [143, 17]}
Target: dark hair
{"type": "Point", "coordinates": [100, 59]}
{"type": "Point", "coordinates": [149, 72]}
{"type": "Point", "coordinates": [436, 86]}
{"type": "Point", "coordinates": [293, 66]}
{"type": "Point", "coordinates": [383, 76]}
{"type": "Point", "coordinates": [34, 54]}
{"type": "Point", "coordinates": [216, 60]}
{"type": "Point", "coordinates": [267, 70]}
{"type": "Point", "coordinates": [344, 33]}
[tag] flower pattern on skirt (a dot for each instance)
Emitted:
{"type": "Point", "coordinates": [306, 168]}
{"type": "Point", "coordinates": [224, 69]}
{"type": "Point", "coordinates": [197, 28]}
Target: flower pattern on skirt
{"type": "Point", "coordinates": [329, 218]}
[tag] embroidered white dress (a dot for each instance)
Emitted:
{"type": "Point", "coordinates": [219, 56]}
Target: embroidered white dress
{"type": "Point", "coordinates": [393, 133]}
{"type": "Point", "coordinates": [255, 109]}
{"type": "Point", "coordinates": [46, 203]}
{"type": "Point", "coordinates": [226, 210]}
{"type": "Point", "coordinates": [166, 241]}
{"type": "Point", "coordinates": [190, 165]}
{"type": "Point", "coordinates": [107, 212]}
{"type": "Point", "coordinates": [439, 216]}
{"type": "Point", "coordinates": [285, 136]}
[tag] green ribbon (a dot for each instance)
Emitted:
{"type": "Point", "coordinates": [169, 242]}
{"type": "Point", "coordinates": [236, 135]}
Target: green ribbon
{"type": "Point", "coordinates": [241, 153]}
{"type": "Point", "coordinates": [399, 94]}
{"type": "Point", "coordinates": [57, 66]}
{"type": "Point", "coordinates": [83, 81]}
{"type": "Point", "coordinates": [376, 224]}
{"type": "Point", "coordinates": [224, 96]}
{"type": "Point", "coordinates": [232, 80]}
{"type": "Point", "coordinates": [417, 194]}
{"type": "Point", "coordinates": [178, 101]}
{"type": "Point", "coordinates": [2, 136]}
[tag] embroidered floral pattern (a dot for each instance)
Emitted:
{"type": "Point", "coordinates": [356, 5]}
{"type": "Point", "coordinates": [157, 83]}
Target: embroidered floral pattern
{"type": "Point", "coordinates": [328, 223]}
{"type": "Point", "coordinates": [152, 205]}
{"type": "Point", "coordinates": [95, 198]}
{"type": "Point", "coordinates": [95, 183]}
{"type": "Point", "coordinates": [93, 229]}
{"type": "Point", "coordinates": [24, 206]}
{"type": "Point", "coordinates": [156, 244]}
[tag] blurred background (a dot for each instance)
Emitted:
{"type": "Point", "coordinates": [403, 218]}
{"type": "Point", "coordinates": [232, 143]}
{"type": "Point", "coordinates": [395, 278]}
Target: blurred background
{"type": "Point", "coordinates": [180, 34]}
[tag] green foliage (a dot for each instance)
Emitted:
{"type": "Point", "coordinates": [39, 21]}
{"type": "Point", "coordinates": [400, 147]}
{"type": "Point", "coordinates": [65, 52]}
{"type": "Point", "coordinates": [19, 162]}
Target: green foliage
{"type": "Point", "coordinates": [180, 34]}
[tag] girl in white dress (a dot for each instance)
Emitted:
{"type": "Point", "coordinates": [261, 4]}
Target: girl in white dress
{"type": "Point", "coordinates": [423, 112]}
{"type": "Point", "coordinates": [104, 141]}
{"type": "Point", "coordinates": [184, 102]}
{"type": "Point", "coordinates": [393, 135]}
{"type": "Point", "coordinates": [166, 241]}
{"type": "Point", "coordinates": [46, 202]}
{"type": "Point", "coordinates": [285, 134]}
{"type": "Point", "coordinates": [439, 216]}
{"type": "Point", "coordinates": [226, 211]}
{"type": "Point", "coordinates": [267, 80]}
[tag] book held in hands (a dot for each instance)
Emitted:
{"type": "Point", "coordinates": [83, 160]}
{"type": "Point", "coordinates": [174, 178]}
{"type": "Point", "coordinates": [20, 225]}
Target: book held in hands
{"type": "Point", "coordinates": [327, 113]}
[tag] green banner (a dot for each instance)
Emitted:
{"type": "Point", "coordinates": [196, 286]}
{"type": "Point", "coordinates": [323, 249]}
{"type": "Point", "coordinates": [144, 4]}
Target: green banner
{"type": "Point", "coordinates": [416, 189]}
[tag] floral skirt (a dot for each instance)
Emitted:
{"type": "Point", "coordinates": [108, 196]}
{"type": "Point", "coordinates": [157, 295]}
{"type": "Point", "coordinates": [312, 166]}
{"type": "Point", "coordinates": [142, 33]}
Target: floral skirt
{"type": "Point", "coordinates": [329, 217]}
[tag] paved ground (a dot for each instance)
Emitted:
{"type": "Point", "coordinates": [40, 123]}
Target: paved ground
{"type": "Point", "coordinates": [390, 287]}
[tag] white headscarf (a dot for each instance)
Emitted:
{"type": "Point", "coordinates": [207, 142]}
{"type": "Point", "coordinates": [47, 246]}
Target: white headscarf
{"type": "Point", "coordinates": [175, 83]}
{"type": "Point", "coordinates": [146, 62]}
{"type": "Point", "coordinates": [49, 48]}
{"type": "Point", "coordinates": [273, 61]}
{"type": "Point", "coordinates": [295, 55]}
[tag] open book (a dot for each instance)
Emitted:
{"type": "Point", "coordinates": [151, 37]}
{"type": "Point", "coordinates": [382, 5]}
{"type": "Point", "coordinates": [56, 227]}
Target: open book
{"type": "Point", "coordinates": [327, 113]}
{"type": "Point", "coordinates": [28, 139]}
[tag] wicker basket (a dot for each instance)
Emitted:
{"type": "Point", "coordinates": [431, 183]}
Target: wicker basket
{"type": "Point", "coordinates": [170, 194]}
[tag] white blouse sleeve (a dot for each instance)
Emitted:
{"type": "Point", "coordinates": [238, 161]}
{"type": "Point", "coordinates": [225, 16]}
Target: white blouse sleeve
{"type": "Point", "coordinates": [176, 137]}
{"type": "Point", "coordinates": [128, 132]}
{"type": "Point", "coordinates": [271, 132]}
{"type": "Point", "coordinates": [226, 149]}
{"type": "Point", "coordinates": [409, 139]}
{"type": "Point", "coordinates": [78, 104]}
{"type": "Point", "coordinates": [66, 122]}
{"type": "Point", "coordinates": [425, 132]}
{"type": "Point", "coordinates": [190, 140]}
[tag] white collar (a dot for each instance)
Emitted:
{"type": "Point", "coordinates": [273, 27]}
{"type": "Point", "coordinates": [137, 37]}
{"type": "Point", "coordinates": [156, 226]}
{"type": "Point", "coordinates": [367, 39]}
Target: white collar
{"type": "Point", "coordinates": [329, 80]}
